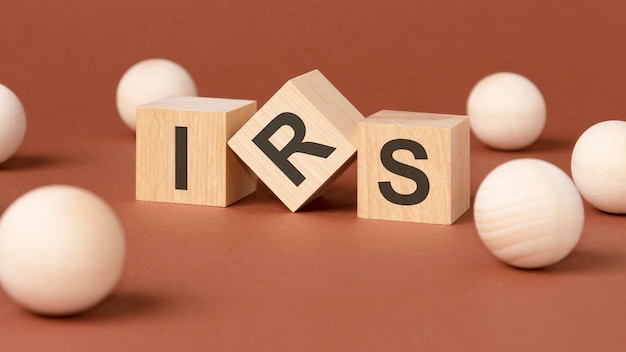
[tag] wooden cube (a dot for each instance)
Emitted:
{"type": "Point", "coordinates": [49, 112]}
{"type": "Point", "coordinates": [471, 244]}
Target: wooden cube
{"type": "Point", "coordinates": [301, 139]}
{"type": "Point", "coordinates": [413, 167]}
{"type": "Point", "coordinates": [182, 155]}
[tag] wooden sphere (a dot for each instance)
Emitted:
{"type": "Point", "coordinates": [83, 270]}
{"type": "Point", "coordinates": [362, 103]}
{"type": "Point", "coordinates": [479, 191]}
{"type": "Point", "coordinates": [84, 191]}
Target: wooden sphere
{"type": "Point", "coordinates": [599, 166]}
{"type": "Point", "coordinates": [12, 123]}
{"type": "Point", "coordinates": [506, 111]}
{"type": "Point", "coordinates": [150, 80]}
{"type": "Point", "coordinates": [528, 213]}
{"type": "Point", "coordinates": [61, 250]}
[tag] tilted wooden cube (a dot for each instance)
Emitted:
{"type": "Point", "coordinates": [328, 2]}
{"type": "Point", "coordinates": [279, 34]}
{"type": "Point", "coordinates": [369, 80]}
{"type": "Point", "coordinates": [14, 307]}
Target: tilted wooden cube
{"type": "Point", "coordinates": [182, 155]}
{"type": "Point", "coordinates": [413, 167]}
{"type": "Point", "coordinates": [301, 139]}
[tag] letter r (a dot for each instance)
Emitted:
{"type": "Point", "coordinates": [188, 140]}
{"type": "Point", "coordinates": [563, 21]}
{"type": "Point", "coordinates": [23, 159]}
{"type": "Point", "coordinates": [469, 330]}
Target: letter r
{"type": "Point", "coordinates": [296, 145]}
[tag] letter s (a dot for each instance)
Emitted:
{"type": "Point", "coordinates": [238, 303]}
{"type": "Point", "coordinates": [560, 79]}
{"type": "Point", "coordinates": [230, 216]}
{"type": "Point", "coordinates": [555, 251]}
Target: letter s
{"type": "Point", "coordinates": [410, 172]}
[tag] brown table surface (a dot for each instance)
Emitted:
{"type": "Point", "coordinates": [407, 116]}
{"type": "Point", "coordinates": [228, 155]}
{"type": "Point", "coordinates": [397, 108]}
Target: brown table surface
{"type": "Point", "coordinates": [256, 277]}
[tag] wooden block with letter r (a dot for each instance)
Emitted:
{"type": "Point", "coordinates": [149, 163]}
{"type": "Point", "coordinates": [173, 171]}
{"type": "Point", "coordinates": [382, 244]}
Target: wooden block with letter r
{"type": "Point", "coordinates": [301, 139]}
{"type": "Point", "coordinates": [182, 155]}
{"type": "Point", "coordinates": [413, 167]}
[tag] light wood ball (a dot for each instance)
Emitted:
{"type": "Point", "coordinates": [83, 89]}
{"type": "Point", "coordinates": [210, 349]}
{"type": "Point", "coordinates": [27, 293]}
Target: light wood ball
{"type": "Point", "coordinates": [506, 111]}
{"type": "Point", "coordinates": [150, 80]}
{"type": "Point", "coordinates": [12, 123]}
{"type": "Point", "coordinates": [528, 213]}
{"type": "Point", "coordinates": [599, 166]}
{"type": "Point", "coordinates": [62, 250]}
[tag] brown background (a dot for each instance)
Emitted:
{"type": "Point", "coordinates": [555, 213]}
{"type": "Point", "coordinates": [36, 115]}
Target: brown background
{"type": "Point", "coordinates": [254, 276]}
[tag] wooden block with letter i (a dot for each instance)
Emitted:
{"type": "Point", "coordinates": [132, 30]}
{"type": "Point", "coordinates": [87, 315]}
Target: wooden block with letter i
{"type": "Point", "coordinates": [413, 167]}
{"type": "Point", "coordinates": [301, 139]}
{"type": "Point", "coordinates": [182, 155]}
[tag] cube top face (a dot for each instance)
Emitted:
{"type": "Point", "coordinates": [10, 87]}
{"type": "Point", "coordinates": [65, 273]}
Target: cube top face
{"type": "Point", "coordinates": [199, 104]}
{"type": "Point", "coordinates": [413, 167]}
{"type": "Point", "coordinates": [419, 119]}
{"type": "Point", "coordinates": [296, 143]}
{"type": "Point", "coordinates": [182, 155]}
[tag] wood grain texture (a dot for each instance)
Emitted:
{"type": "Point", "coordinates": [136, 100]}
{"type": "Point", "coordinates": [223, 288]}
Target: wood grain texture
{"type": "Point", "coordinates": [329, 118]}
{"type": "Point", "coordinates": [445, 139]}
{"type": "Point", "coordinates": [507, 111]}
{"type": "Point", "coordinates": [216, 176]}
{"type": "Point", "coordinates": [524, 224]}
{"type": "Point", "coordinates": [599, 166]}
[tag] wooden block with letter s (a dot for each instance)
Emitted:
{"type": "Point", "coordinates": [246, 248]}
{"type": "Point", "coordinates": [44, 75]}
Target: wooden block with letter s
{"type": "Point", "coordinates": [301, 139]}
{"type": "Point", "coordinates": [413, 167]}
{"type": "Point", "coordinates": [182, 155]}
